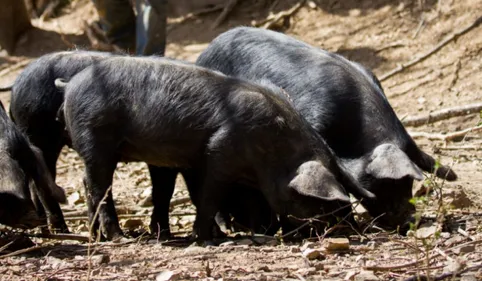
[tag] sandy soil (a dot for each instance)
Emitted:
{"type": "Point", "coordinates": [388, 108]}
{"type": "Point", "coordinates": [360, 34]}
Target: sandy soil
{"type": "Point", "coordinates": [380, 34]}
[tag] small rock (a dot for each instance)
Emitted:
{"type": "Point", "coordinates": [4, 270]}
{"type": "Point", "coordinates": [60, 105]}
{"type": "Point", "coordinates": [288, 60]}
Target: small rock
{"type": "Point", "coordinates": [366, 275]}
{"type": "Point", "coordinates": [308, 245]}
{"type": "Point", "coordinates": [168, 276]}
{"type": "Point", "coordinates": [133, 223]}
{"type": "Point", "coordinates": [445, 235]}
{"type": "Point", "coordinates": [264, 268]}
{"type": "Point", "coordinates": [372, 245]}
{"type": "Point", "coordinates": [426, 230]}
{"type": "Point", "coordinates": [312, 4]}
{"type": "Point", "coordinates": [336, 244]}
{"type": "Point", "coordinates": [311, 254]}
{"type": "Point", "coordinates": [195, 250]}
{"type": "Point", "coordinates": [75, 198]}
{"type": "Point", "coordinates": [100, 259]}
{"type": "Point", "coordinates": [146, 202]}
{"type": "Point", "coordinates": [146, 193]}
{"type": "Point", "coordinates": [464, 249]}
{"type": "Point", "coordinates": [350, 275]}
{"type": "Point", "coordinates": [319, 266]}
{"type": "Point", "coordinates": [354, 12]}
{"type": "Point", "coordinates": [295, 249]}
{"type": "Point", "coordinates": [452, 266]}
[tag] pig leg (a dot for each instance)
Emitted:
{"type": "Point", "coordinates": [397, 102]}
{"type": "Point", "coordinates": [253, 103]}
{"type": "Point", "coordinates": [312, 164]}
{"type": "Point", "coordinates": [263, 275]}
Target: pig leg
{"type": "Point", "coordinates": [163, 183]}
{"type": "Point", "coordinates": [48, 137]}
{"type": "Point", "coordinates": [192, 182]}
{"type": "Point", "coordinates": [211, 196]}
{"type": "Point", "coordinates": [99, 169]}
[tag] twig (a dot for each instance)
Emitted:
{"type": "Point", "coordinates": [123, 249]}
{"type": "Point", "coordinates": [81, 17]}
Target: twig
{"type": "Point", "coordinates": [410, 264]}
{"type": "Point", "coordinates": [180, 201]}
{"type": "Point", "coordinates": [64, 236]}
{"type": "Point", "coordinates": [272, 19]}
{"type": "Point", "coordinates": [461, 147]}
{"type": "Point", "coordinates": [224, 14]}
{"type": "Point", "coordinates": [458, 65]}
{"type": "Point", "coordinates": [443, 254]}
{"type": "Point", "coordinates": [310, 220]}
{"type": "Point", "coordinates": [443, 275]}
{"type": "Point", "coordinates": [445, 137]}
{"type": "Point", "coordinates": [23, 251]}
{"type": "Point", "coordinates": [131, 216]}
{"type": "Point", "coordinates": [442, 114]}
{"type": "Point", "coordinates": [392, 45]}
{"type": "Point", "coordinates": [95, 42]}
{"type": "Point", "coordinates": [424, 81]}
{"type": "Point", "coordinates": [439, 46]}
{"type": "Point", "coordinates": [195, 14]}
{"type": "Point", "coordinates": [419, 28]}
{"type": "Point", "coordinates": [465, 234]}
{"type": "Point", "coordinates": [14, 67]}
{"type": "Point", "coordinates": [6, 246]}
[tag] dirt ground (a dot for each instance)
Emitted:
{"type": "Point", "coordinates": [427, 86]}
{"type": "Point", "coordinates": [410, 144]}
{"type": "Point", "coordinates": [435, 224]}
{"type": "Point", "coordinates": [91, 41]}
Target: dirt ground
{"type": "Point", "coordinates": [380, 34]}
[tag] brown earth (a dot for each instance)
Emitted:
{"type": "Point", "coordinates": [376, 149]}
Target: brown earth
{"type": "Point", "coordinates": [380, 34]}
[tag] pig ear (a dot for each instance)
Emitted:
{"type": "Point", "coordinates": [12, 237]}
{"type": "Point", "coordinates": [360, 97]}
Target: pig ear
{"type": "Point", "coordinates": [44, 180]}
{"type": "Point", "coordinates": [314, 180]}
{"type": "Point", "coordinates": [390, 162]}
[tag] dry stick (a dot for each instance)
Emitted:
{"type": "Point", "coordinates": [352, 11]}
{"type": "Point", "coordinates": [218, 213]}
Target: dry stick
{"type": "Point", "coordinates": [63, 236]}
{"type": "Point", "coordinates": [224, 14]}
{"type": "Point", "coordinates": [390, 268]}
{"type": "Point", "coordinates": [443, 275]}
{"type": "Point", "coordinates": [193, 15]}
{"type": "Point", "coordinates": [389, 46]}
{"type": "Point", "coordinates": [271, 20]}
{"type": "Point", "coordinates": [464, 233]}
{"type": "Point", "coordinates": [95, 42]}
{"type": "Point", "coordinates": [23, 251]}
{"type": "Point", "coordinates": [6, 246]}
{"type": "Point", "coordinates": [132, 216]}
{"type": "Point", "coordinates": [443, 114]}
{"type": "Point", "coordinates": [14, 67]}
{"type": "Point", "coordinates": [439, 46]}
{"type": "Point", "coordinates": [461, 147]}
{"type": "Point", "coordinates": [445, 137]}
{"type": "Point", "coordinates": [308, 221]}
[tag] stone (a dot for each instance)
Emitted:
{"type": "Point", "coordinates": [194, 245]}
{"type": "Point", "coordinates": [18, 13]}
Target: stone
{"type": "Point", "coordinates": [336, 244]}
{"type": "Point", "coordinates": [132, 223]}
{"type": "Point", "coordinates": [366, 275]}
{"type": "Point", "coordinates": [312, 254]}
{"type": "Point", "coordinates": [100, 259]}
{"type": "Point", "coordinates": [168, 275]}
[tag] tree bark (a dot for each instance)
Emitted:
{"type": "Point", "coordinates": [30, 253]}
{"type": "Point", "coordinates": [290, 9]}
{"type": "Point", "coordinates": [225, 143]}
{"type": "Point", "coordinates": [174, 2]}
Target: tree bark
{"type": "Point", "coordinates": [14, 20]}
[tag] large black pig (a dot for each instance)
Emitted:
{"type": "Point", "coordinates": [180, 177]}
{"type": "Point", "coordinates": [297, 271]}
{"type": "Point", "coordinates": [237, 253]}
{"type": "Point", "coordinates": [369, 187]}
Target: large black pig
{"type": "Point", "coordinates": [24, 177]}
{"type": "Point", "coordinates": [228, 132]}
{"type": "Point", "coordinates": [344, 102]}
{"type": "Point", "coordinates": [35, 102]}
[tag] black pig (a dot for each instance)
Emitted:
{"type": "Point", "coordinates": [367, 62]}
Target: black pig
{"type": "Point", "coordinates": [23, 178]}
{"type": "Point", "coordinates": [226, 131]}
{"type": "Point", "coordinates": [344, 102]}
{"type": "Point", "coordinates": [35, 102]}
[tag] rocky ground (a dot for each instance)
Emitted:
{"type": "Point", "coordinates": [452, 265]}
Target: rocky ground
{"type": "Point", "coordinates": [380, 34]}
